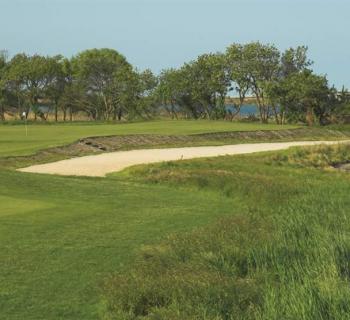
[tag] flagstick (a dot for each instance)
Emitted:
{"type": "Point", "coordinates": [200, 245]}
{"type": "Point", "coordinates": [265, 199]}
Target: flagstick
{"type": "Point", "coordinates": [25, 122]}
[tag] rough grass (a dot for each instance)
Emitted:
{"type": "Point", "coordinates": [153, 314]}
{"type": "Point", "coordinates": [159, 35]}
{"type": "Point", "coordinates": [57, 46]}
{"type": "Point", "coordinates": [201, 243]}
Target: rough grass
{"type": "Point", "coordinates": [284, 256]}
{"type": "Point", "coordinates": [322, 156]}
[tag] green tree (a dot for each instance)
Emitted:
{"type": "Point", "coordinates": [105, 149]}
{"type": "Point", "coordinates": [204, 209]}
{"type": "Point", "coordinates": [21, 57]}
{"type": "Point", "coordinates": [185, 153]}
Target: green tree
{"type": "Point", "coordinates": [3, 94]}
{"type": "Point", "coordinates": [98, 71]}
{"type": "Point", "coordinates": [343, 105]}
{"type": "Point", "coordinates": [209, 84]}
{"type": "Point", "coordinates": [293, 61]}
{"type": "Point", "coordinates": [305, 97]}
{"type": "Point", "coordinates": [197, 89]}
{"type": "Point", "coordinates": [262, 64]}
{"type": "Point", "coordinates": [14, 82]}
{"type": "Point", "coordinates": [172, 92]}
{"type": "Point", "coordinates": [145, 94]}
{"type": "Point", "coordinates": [238, 73]}
{"type": "Point", "coordinates": [56, 81]}
{"type": "Point", "coordinates": [69, 93]}
{"type": "Point", "coordinates": [29, 78]}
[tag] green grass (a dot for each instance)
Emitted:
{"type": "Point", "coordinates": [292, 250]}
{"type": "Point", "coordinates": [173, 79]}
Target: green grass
{"type": "Point", "coordinates": [13, 140]}
{"type": "Point", "coordinates": [323, 156]}
{"type": "Point", "coordinates": [62, 237]}
{"type": "Point", "coordinates": [285, 255]}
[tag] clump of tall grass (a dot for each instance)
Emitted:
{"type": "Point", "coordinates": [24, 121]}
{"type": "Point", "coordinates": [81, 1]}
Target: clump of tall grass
{"type": "Point", "coordinates": [288, 263]}
{"type": "Point", "coordinates": [241, 268]}
{"type": "Point", "coordinates": [322, 156]}
{"type": "Point", "coordinates": [286, 256]}
{"type": "Point", "coordinates": [200, 275]}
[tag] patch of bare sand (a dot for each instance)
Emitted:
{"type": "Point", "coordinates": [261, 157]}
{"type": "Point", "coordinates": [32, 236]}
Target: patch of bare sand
{"type": "Point", "coordinates": [100, 165]}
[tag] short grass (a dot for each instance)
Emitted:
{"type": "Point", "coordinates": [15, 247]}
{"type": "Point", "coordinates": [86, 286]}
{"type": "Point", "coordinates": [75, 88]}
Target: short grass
{"type": "Point", "coordinates": [13, 139]}
{"type": "Point", "coordinates": [61, 236]}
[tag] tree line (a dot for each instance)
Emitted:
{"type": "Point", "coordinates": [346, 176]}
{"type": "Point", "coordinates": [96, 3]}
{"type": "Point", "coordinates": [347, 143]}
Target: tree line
{"type": "Point", "coordinates": [98, 82]}
{"type": "Point", "coordinates": [102, 84]}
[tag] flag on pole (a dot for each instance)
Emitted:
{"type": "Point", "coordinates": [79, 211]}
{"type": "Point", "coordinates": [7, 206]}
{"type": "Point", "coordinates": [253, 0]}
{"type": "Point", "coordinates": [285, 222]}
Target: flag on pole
{"type": "Point", "coordinates": [24, 115]}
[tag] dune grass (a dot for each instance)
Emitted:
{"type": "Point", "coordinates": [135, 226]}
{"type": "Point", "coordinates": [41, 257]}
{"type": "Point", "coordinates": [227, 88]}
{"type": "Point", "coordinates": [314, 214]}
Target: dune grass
{"type": "Point", "coordinates": [13, 139]}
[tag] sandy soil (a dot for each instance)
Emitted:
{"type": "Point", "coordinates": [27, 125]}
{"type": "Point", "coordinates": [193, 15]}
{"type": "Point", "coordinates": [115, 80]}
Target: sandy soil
{"type": "Point", "coordinates": [100, 165]}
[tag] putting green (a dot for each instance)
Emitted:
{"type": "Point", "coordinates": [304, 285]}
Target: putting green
{"type": "Point", "coordinates": [13, 140]}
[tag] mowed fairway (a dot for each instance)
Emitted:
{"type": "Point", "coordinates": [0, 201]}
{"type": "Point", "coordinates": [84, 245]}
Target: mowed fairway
{"type": "Point", "coordinates": [13, 139]}
{"type": "Point", "coordinates": [60, 236]}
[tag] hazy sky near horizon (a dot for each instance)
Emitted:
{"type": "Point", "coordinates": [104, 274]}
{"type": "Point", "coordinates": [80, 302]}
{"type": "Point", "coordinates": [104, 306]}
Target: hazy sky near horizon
{"type": "Point", "coordinates": [159, 34]}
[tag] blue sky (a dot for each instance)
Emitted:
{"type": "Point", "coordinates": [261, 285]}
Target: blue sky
{"type": "Point", "coordinates": [160, 34]}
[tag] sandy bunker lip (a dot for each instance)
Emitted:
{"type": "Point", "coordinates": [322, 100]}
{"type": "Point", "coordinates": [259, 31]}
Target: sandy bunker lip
{"type": "Point", "coordinates": [102, 164]}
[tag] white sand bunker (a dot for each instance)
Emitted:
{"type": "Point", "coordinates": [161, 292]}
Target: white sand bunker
{"type": "Point", "coordinates": [100, 165]}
